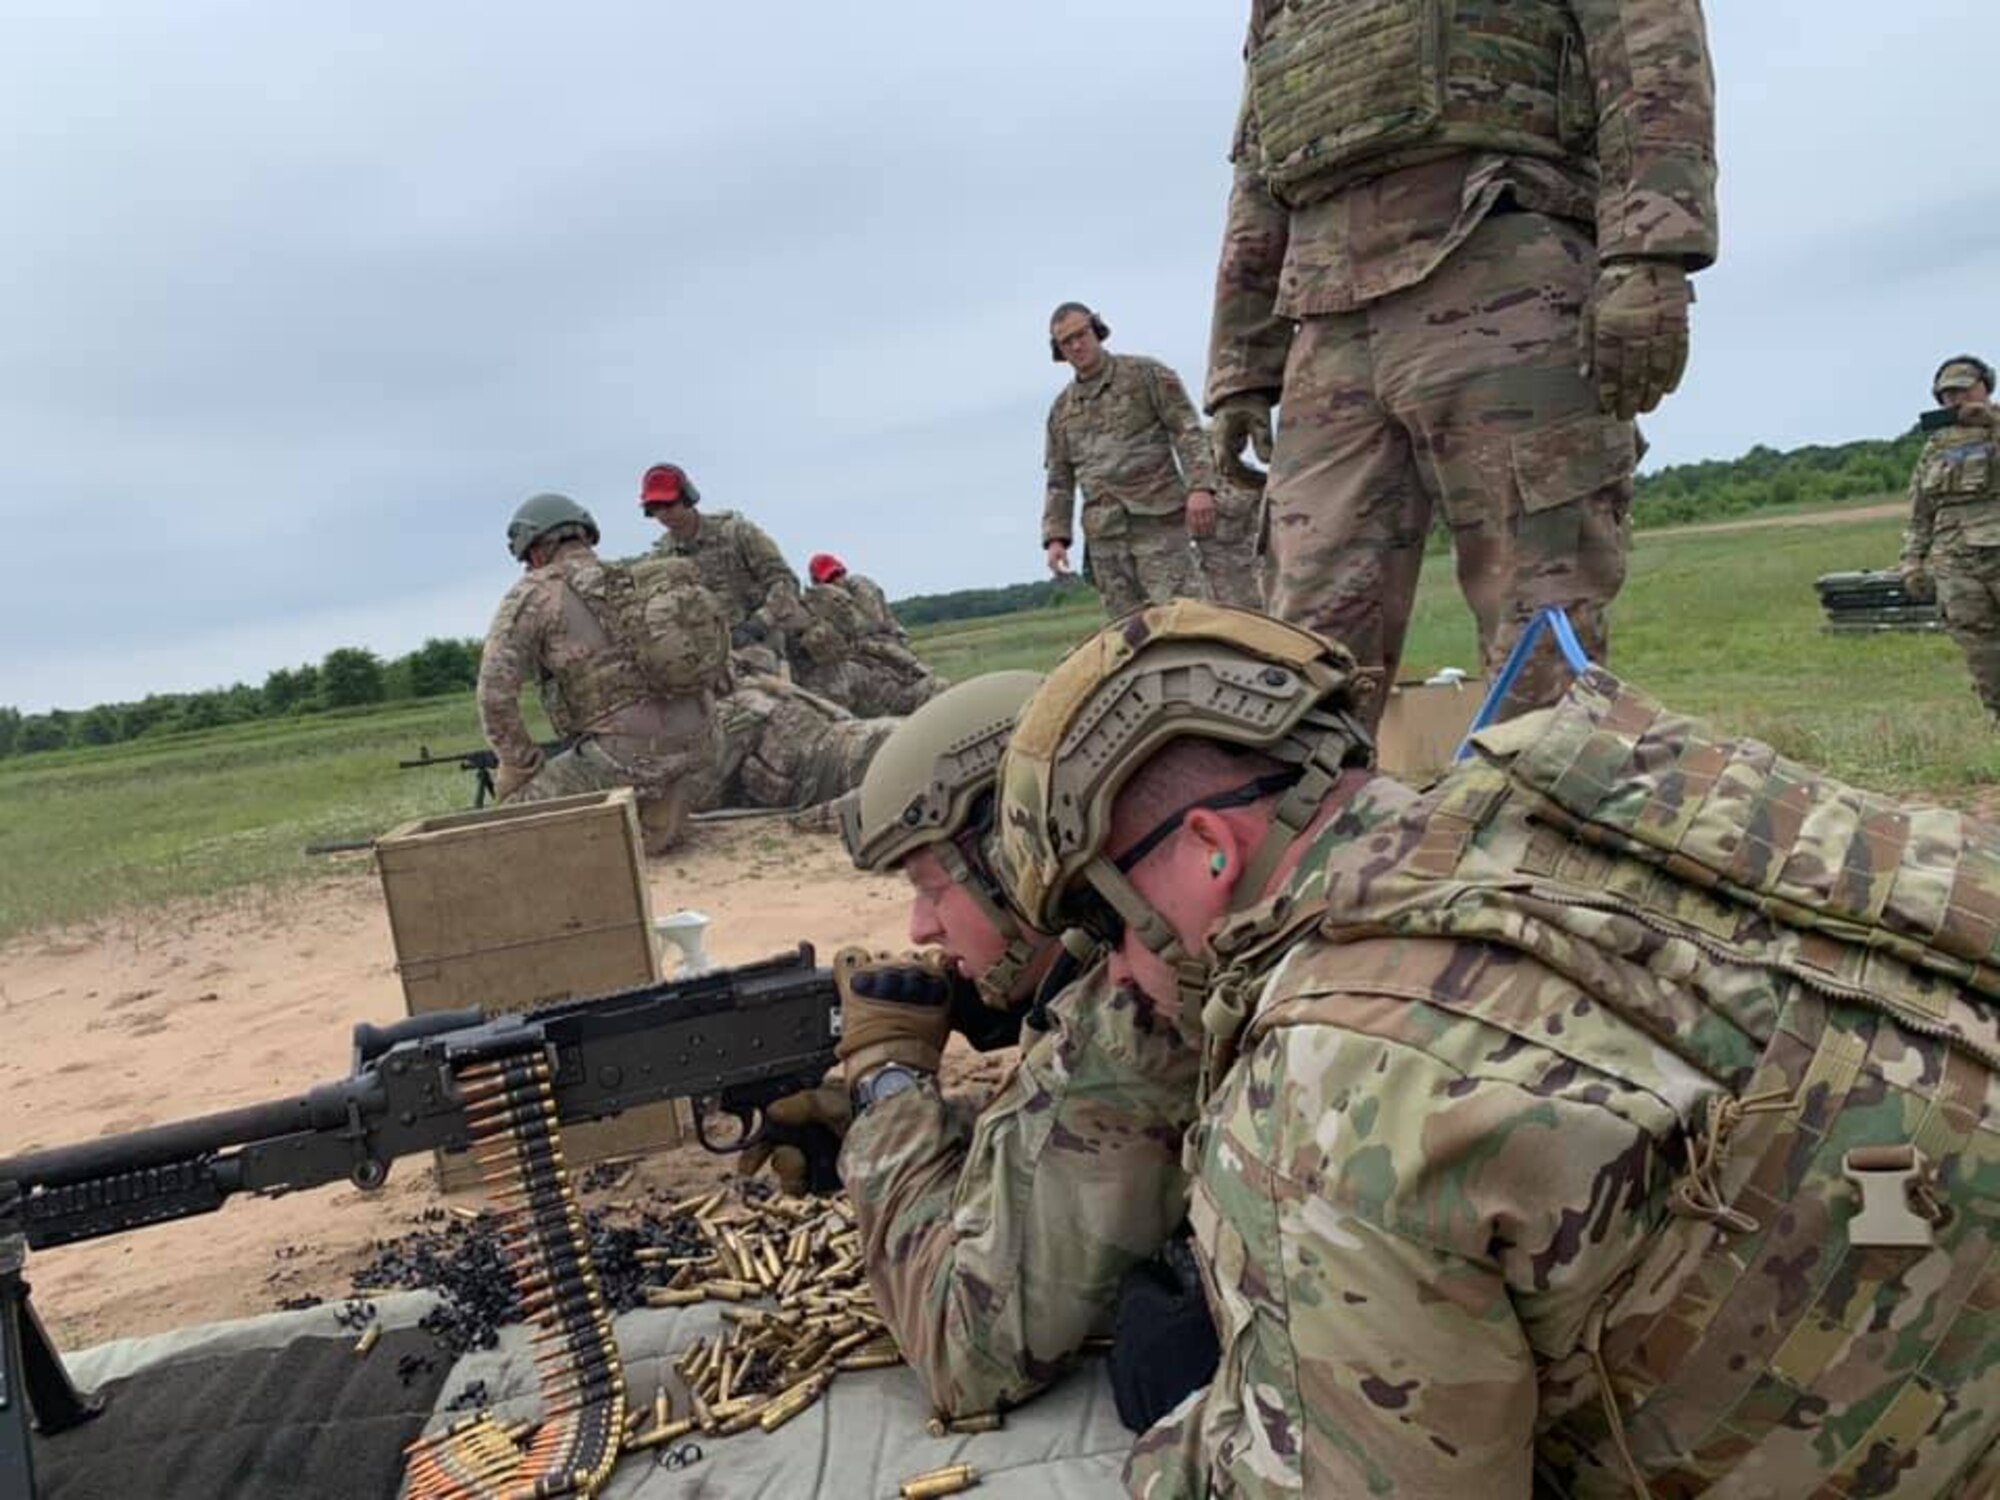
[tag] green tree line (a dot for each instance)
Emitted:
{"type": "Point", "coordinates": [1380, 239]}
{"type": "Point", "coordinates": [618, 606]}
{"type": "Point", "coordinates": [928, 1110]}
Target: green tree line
{"type": "Point", "coordinates": [350, 677]}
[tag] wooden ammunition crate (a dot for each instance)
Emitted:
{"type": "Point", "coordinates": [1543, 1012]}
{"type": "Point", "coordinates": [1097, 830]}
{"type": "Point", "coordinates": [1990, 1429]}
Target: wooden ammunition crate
{"type": "Point", "coordinates": [507, 908]}
{"type": "Point", "coordinates": [1422, 725]}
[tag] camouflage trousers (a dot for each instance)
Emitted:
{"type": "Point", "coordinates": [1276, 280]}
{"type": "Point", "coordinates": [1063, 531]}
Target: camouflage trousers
{"type": "Point", "coordinates": [1967, 579]}
{"type": "Point", "coordinates": [1460, 396]}
{"type": "Point", "coordinates": [784, 747]}
{"type": "Point", "coordinates": [1138, 560]}
{"type": "Point", "coordinates": [663, 788]}
{"type": "Point", "coordinates": [1232, 564]}
{"type": "Point", "coordinates": [886, 677]}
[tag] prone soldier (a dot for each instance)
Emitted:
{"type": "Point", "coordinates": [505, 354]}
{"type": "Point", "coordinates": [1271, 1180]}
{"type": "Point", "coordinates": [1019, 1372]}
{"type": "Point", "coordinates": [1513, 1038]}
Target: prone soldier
{"type": "Point", "coordinates": [995, 1245]}
{"type": "Point", "coordinates": [782, 746]}
{"type": "Point", "coordinates": [1611, 1118]}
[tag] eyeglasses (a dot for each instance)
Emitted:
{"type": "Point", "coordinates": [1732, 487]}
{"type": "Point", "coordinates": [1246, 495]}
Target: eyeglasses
{"type": "Point", "coordinates": [1241, 796]}
{"type": "Point", "coordinates": [1089, 910]}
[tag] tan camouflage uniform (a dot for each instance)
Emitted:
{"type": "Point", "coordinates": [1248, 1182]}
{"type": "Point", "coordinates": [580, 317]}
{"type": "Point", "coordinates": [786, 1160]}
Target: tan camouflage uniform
{"type": "Point", "coordinates": [1550, 1142]}
{"type": "Point", "coordinates": [1954, 538]}
{"type": "Point", "coordinates": [851, 657]}
{"type": "Point", "coordinates": [1232, 562]}
{"type": "Point", "coordinates": [1129, 436]}
{"type": "Point", "coordinates": [995, 1245]}
{"type": "Point", "coordinates": [784, 747]}
{"type": "Point", "coordinates": [1416, 296]}
{"type": "Point", "coordinates": [743, 568]}
{"type": "Point", "coordinates": [550, 631]}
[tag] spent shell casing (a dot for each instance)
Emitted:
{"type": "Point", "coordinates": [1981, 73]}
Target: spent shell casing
{"type": "Point", "coordinates": [937, 1482]}
{"type": "Point", "coordinates": [665, 1433]}
{"type": "Point", "coordinates": [370, 1337]}
{"type": "Point", "coordinates": [983, 1421]}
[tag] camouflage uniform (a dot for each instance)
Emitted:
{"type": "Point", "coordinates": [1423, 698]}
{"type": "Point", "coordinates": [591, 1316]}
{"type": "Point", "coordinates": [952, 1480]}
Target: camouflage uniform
{"type": "Point", "coordinates": [1129, 435]}
{"type": "Point", "coordinates": [1546, 1146]}
{"type": "Point", "coordinates": [995, 1245]}
{"type": "Point", "coordinates": [743, 568]}
{"type": "Point", "coordinates": [1232, 562]}
{"type": "Point", "coordinates": [1408, 266]}
{"type": "Point", "coordinates": [1954, 537]}
{"type": "Point", "coordinates": [784, 747]}
{"type": "Point", "coordinates": [559, 629]}
{"type": "Point", "coordinates": [855, 659]}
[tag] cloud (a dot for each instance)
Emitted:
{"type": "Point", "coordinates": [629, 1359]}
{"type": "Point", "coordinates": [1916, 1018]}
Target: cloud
{"type": "Point", "coordinates": [304, 301]}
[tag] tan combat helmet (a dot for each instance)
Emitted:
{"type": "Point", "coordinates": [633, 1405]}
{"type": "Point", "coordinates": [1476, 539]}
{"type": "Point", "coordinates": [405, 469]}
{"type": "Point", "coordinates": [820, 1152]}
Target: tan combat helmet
{"type": "Point", "coordinates": [931, 786]}
{"type": "Point", "coordinates": [1180, 670]}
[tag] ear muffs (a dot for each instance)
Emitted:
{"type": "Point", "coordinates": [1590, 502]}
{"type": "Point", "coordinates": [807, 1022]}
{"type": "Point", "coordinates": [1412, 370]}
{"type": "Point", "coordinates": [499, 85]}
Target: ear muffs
{"type": "Point", "coordinates": [1985, 372]}
{"type": "Point", "coordinates": [1103, 331]}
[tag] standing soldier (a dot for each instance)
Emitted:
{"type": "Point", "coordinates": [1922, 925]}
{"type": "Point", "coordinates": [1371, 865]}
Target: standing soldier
{"type": "Point", "coordinates": [1458, 250]}
{"type": "Point", "coordinates": [1125, 431]}
{"type": "Point", "coordinates": [1952, 548]}
{"type": "Point", "coordinates": [626, 657]}
{"type": "Point", "coordinates": [738, 561]}
{"type": "Point", "coordinates": [882, 674]}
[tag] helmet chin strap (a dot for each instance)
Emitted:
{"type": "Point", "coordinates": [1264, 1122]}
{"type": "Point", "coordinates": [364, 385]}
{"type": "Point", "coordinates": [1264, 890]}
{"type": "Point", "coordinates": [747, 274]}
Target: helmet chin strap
{"type": "Point", "coordinates": [998, 984]}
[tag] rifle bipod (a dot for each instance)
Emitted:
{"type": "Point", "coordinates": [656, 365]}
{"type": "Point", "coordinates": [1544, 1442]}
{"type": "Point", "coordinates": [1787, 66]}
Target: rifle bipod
{"type": "Point", "coordinates": [33, 1383]}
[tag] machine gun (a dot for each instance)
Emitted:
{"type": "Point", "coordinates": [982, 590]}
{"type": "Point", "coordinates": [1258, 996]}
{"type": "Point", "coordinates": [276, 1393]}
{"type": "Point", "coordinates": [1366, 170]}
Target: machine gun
{"type": "Point", "coordinates": [732, 1041]}
{"type": "Point", "coordinates": [482, 763]}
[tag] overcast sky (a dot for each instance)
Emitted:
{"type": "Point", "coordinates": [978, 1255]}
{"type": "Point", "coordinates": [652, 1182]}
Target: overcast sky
{"type": "Point", "coordinates": [302, 300]}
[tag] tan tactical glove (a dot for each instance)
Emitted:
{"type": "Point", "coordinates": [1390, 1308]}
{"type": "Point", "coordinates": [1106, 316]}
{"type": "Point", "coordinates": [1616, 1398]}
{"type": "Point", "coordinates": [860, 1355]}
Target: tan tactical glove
{"type": "Point", "coordinates": [788, 1146]}
{"type": "Point", "coordinates": [1635, 334]}
{"type": "Point", "coordinates": [1242, 418]}
{"type": "Point", "coordinates": [1917, 583]}
{"type": "Point", "coordinates": [508, 780]}
{"type": "Point", "coordinates": [893, 1008]}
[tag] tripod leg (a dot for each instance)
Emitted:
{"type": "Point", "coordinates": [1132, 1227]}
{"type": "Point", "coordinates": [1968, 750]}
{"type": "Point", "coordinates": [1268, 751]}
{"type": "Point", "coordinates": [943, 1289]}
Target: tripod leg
{"type": "Point", "coordinates": [32, 1378]}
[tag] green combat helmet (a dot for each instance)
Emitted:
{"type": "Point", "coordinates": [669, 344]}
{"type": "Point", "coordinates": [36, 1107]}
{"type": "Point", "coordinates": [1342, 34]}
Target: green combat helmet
{"type": "Point", "coordinates": [1186, 669]}
{"type": "Point", "coordinates": [542, 514]}
{"type": "Point", "coordinates": [931, 786]}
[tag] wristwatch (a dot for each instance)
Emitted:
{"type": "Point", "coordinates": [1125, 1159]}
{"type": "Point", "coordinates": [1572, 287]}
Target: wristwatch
{"type": "Point", "coordinates": [885, 1082]}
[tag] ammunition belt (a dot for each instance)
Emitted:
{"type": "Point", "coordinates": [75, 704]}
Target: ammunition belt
{"type": "Point", "coordinates": [571, 1451]}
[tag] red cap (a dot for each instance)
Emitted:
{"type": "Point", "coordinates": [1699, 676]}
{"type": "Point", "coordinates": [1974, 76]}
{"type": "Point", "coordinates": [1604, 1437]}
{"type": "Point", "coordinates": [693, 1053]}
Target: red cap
{"type": "Point", "coordinates": [825, 567]}
{"type": "Point", "coordinates": [664, 484]}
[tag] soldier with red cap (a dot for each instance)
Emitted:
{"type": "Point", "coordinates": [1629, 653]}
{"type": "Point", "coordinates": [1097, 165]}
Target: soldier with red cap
{"type": "Point", "coordinates": [738, 561]}
{"type": "Point", "coordinates": [877, 672]}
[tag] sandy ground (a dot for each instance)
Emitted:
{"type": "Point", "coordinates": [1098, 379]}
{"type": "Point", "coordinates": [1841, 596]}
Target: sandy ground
{"type": "Point", "coordinates": [169, 1014]}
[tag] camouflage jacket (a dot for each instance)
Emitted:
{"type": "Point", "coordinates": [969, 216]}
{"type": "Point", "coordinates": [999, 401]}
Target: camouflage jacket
{"type": "Point", "coordinates": [783, 746]}
{"type": "Point", "coordinates": [546, 632]}
{"type": "Point", "coordinates": [1624, 1101]}
{"type": "Point", "coordinates": [743, 568]}
{"type": "Point", "coordinates": [1130, 437]}
{"type": "Point", "coordinates": [995, 1245]}
{"type": "Point", "coordinates": [1653, 195]}
{"type": "Point", "coordinates": [1955, 488]}
{"type": "Point", "coordinates": [874, 605]}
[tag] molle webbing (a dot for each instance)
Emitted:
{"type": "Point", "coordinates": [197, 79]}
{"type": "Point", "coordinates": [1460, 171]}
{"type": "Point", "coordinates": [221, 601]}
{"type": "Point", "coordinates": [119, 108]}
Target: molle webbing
{"type": "Point", "coordinates": [1342, 90]}
{"type": "Point", "coordinates": [1856, 872]}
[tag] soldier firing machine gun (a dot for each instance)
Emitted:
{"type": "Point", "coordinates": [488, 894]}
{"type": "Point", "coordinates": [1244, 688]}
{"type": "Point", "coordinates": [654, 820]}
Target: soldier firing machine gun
{"type": "Point", "coordinates": [731, 1041]}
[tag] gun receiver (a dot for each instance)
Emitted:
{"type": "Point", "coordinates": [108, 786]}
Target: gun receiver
{"type": "Point", "coordinates": [731, 1041]}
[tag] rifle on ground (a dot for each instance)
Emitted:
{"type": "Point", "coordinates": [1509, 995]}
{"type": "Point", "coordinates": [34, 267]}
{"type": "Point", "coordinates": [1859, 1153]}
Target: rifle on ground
{"type": "Point", "coordinates": [732, 1041]}
{"type": "Point", "coordinates": [482, 763]}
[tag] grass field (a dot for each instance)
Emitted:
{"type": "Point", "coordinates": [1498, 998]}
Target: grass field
{"type": "Point", "coordinates": [1725, 624]}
